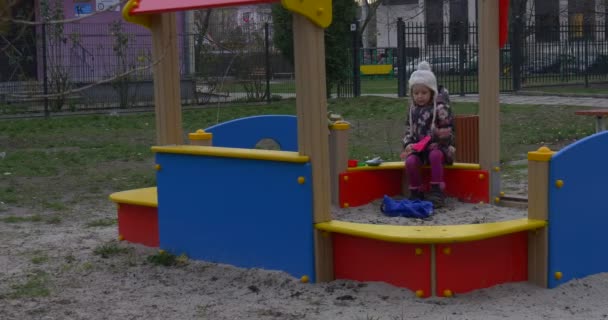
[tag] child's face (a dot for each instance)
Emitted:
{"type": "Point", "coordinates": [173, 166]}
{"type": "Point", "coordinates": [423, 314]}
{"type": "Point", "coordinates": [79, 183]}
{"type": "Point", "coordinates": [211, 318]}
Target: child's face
{"type": "Point", "coordinates": [421, 94]}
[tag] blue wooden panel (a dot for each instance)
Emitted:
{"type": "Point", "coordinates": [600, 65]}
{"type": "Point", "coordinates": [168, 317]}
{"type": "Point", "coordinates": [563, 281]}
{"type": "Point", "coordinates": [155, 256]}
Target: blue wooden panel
{"type": "Point", "coordinates": [578, 211]}
{"type": "Point", "coordinates": [248, 213]}
{"type": "Point", "coordinates": [247, 132]}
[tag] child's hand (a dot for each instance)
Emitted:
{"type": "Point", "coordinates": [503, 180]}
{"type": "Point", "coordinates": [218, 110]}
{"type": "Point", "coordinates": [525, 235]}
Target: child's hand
{"type": "Point", "coordinates": [406, 152]}
{"type": "Point", "coordinates": [443, 135]}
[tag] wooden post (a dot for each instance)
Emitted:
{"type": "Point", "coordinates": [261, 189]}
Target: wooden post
{"type": "Point", "coordinates": [489, 106]}
{"type": "Point", "coordinates": [338, 150]}
{"type": "Point", "coordinates": [167, 102]}
{"type": "Point", "coordinates": [311, 104]}
{"type": "Point", "coordinates": [538, 208]}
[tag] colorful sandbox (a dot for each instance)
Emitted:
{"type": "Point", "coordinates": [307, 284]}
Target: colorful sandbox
{"type": "Point", "coordinates": [269, 225]}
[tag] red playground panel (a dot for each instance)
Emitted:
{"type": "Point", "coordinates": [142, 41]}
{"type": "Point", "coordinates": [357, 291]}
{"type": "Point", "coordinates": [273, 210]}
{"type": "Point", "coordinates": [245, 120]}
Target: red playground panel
{"type": "Point", "coordinates": [470, 186]}
{"type": "Point", "coordinates": [138, 224]}
{"type": "Point", "coordinates": [468, 266]}
{"type": "Point", "coordinates": [358, 188]}
{"type": "Point", "coordinates": [400, 264]}
{"type": "Point", "coordinates": [160, 6]}
{"type": "Point", "coordinates": [362, 187]}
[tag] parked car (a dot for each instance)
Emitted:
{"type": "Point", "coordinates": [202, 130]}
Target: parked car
{"type": "Point", "coordinates": [439, 64]}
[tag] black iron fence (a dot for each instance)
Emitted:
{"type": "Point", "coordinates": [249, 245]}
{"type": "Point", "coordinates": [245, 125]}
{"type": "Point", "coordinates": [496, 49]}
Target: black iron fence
{"type": "Point", "coordinates": [76, 67]}
{"type": "Point", "coordinates": [562, 55]}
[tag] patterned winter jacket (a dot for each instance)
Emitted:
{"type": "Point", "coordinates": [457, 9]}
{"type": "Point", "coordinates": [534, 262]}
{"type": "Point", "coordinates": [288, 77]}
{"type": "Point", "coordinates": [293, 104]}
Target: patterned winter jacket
{"type": "Point", "coordinates": [419, 124]}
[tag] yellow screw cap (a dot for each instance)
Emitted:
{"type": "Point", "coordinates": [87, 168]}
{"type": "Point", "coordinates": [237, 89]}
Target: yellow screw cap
{"type": "Point", "coordinates": [419, 251]}
{"type": "Point", "coordinates": [502, 193]}
{"type": "Point", "coordinates": [448, 293]}
{"type": "Point", "coordinates": [559, 183]}
{"type": "Point", "coordinates": [319, 11]}
{"type": "Point", "coordinates": [419, 293]}
{"type": "Point", "coordinates": [301, 180]}
{"type": "Point", "coordinates": [161, 251]}
{"type": "Point", "coordinates": [345, 178]}
{"type": "Point", "coordinates": [497, 169]}
{"type": "Point", "coordinates": [447, 250]}
{"type": "Point", "coordinates": [157, 167]}
{"type": "Point", "coordinates": [497, 199]}
{"type": "Point", "coordinates": [345, 204]}
{"type": "Point", "coordinates": [304, 279]}
{"type": "Point", "coordinates": [482, 176]}
{"type": "Point", "coordinates": [121, 237]}
{"type": "Point", "coordinates": [558, 275]}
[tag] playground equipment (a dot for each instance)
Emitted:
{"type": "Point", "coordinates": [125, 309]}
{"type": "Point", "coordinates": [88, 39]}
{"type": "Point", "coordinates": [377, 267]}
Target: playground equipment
{"type": "Point", "coordinates": [211, 204]}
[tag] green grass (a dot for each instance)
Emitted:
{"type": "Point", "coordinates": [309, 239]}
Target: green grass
{"type": "Point", "coordinates": [36, 286]}
{"type": "Point", "coordinates": [102, 223]}
{"type": "Point", "coordinates": [58, 162]}
{"type": "Point", "coordinates": [16, 219]}
{"type": "Point", "coordinates": [110, 249]}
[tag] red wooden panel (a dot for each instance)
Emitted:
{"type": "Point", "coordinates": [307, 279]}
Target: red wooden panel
{"type": "Point", "coordinates": [471, 186]}
{"type": "Point", "coordinates": [363, 259]}
{"type": "Point", "coordinates": [481, 264]}
{"type": "Point", "coordinates": [138, 224]}
{"type": "Point", "coordinates": [467, 138]}
{"type": "Point", "coordinates": [159, 6]}
{"type": "Point", "coordinates": [362, 187]}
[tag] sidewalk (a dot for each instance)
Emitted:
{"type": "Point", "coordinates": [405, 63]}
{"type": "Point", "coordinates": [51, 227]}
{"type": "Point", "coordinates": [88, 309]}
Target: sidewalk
{"type": "Point", "coordinates": [508, 98]}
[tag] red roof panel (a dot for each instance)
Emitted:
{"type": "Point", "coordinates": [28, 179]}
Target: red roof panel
{"type": "Point", "coordinates": [159, 6]}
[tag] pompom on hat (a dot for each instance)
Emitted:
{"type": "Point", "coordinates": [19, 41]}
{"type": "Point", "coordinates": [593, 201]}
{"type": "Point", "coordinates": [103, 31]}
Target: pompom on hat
{"type": "Point", "coordinates": [424, 75]}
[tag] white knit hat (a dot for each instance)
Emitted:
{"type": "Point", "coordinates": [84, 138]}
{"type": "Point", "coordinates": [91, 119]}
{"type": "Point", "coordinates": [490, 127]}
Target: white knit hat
{"type": "Point", "coordinates": [424, 76]}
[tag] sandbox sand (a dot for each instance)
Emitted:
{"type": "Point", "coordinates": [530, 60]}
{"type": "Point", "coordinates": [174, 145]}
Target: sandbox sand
{"type": "Point", "coordinates": [455, 212]}
{"type": "Point", "coordinates": [79, 284]}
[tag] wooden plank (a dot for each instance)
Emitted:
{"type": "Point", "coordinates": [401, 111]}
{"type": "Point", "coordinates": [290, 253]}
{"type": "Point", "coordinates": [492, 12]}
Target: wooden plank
{"type": "Point", "coordinates": [167, 102]}
{"type": "Point", "coordinates": [338, 142]}
{"type": "Point", "coordinates": [311, 104]}
{"type": "Point", "coordinates": [489, 111]}
{"type": "Point", "coordinates": [538, 208]}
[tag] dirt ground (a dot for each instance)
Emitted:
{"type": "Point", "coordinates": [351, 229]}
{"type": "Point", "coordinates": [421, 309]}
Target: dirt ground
{"type": "Point", "coordinates": [74, 268]}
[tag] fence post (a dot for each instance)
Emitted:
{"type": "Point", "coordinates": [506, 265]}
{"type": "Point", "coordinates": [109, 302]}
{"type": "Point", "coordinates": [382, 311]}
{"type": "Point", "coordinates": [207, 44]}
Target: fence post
{"type": "Point", "coordinates": [463, 31]}
{"type": "Point", "coordinates": [45, 79]}
{"type": "Point", "coordinates": [267, 56]}
{"type": "Point", "coordinates": [516, 55]}
{"type": "Point", "coordinates": [354, 27]}
{"type": "Point", "coordinates": [586, 59]}
{"type": "Point", "coordinates": [401, 58]}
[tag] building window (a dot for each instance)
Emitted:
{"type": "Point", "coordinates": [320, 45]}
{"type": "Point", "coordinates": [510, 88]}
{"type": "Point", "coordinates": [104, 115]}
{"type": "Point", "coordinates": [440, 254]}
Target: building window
{"type": "Point", "coordinates": [459, 21]}
{"type": "Point", "coordinates": [581, 19]}
{"type": "Point", "coordinates": [546, 20]}
{"type": "Point", "coordinates": [433, 13]}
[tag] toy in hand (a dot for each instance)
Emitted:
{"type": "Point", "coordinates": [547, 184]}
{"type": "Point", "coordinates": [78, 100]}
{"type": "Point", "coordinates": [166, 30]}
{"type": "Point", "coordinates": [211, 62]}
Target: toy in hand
{"type": "Point", "coordinates": [420, 145]}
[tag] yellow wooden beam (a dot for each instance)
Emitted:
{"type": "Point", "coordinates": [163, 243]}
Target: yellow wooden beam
{"type": "Point", "coordinates": [257, 154]}
{"type": "Point", "coordinates": [431, 234]}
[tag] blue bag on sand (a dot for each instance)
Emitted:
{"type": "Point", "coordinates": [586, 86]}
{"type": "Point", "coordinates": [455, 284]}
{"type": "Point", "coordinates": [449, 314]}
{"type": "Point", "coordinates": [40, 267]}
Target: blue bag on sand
{"type": "Point", "coordinates": [406, 208]}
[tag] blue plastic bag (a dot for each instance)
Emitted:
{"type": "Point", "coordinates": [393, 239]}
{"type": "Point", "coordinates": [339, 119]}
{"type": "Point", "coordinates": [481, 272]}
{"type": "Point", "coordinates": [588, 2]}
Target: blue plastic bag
{"type": "Point", "coordinates": [406, 208]}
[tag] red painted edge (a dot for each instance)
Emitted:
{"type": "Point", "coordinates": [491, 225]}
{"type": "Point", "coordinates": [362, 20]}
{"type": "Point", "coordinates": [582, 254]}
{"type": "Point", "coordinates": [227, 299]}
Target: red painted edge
{"type": "Point", "coordinates": [363, 259]}
{"type": "Point", "coordinates": [481, 264]}
{"type": "Point", "coordinates": [138, 224]}
{"type": "Point", "coordinates": [160, 6]}
{"type": "Point", "coordinates": [362, 187]}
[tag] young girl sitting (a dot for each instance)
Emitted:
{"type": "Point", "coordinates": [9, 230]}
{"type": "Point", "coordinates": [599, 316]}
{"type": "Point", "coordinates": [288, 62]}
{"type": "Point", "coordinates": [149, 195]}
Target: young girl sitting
{"type": "Point", "coordinates": [429, 136]}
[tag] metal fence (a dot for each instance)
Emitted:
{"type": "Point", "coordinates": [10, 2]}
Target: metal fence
{"type": "Point", "coordinates": [562, 55]}
{"type": "Point", "coordinates": [77, 67]}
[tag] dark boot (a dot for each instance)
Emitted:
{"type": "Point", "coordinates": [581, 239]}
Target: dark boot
{"type": "Point", "coordinates": [436, 196]}
{"type": "Point", "coordinates": [416, 194]}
